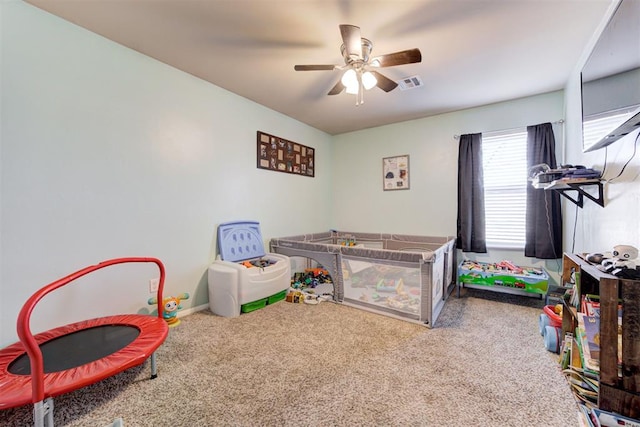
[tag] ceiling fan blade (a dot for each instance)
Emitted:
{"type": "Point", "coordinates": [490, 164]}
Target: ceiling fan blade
{"type": "Point", "coordinates": [398, 58]}
{"type": "Point", "coordinates": [315, 67]}
{"type": "Point", "coordinates": [339, 87]}
{"type": "Point", "coordinates": [352, 40]}
{"type": "Point", "coordinates": [384, 83]}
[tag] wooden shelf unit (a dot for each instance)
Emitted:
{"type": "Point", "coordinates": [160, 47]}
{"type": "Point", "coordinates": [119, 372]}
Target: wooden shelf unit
{"type": "Point", "coordinates": [616, 394]}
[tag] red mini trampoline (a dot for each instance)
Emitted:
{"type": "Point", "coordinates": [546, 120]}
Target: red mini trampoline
{"type": "Point", "coordinates": [76, 355]}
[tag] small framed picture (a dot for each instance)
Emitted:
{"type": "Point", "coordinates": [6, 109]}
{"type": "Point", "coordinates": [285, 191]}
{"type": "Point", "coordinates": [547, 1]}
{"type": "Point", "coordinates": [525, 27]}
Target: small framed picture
{"type": "Point", "coordinates": [395, 173]}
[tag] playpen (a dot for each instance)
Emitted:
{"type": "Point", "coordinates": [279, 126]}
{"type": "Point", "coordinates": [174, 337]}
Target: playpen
{"type": "Point", "coordinates": [403, 276]}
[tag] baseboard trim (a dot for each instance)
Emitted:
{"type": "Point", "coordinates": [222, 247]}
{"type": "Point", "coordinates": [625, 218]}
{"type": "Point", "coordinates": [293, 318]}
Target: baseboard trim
{"type": "Point", "coordinates": [192, 310]}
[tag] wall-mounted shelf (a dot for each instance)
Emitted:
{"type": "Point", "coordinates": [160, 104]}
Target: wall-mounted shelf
{"type": "Point", "coordinates": [567, 187]}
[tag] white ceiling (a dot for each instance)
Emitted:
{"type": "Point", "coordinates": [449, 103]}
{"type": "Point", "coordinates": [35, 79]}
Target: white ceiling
{"type": "Point", "coordinates": [474, 52]}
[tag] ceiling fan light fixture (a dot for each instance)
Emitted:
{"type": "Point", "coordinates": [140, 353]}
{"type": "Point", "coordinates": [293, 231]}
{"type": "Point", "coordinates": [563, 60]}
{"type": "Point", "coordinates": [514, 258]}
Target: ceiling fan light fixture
{"type": "Point", "coordinates": [369, 80]}
{"type": "Point", "coordinates": [352, 90]}
{"type": "Point", "coordinates": [359, 66]}
{"type": "Point", "coordinates": [350, 81]}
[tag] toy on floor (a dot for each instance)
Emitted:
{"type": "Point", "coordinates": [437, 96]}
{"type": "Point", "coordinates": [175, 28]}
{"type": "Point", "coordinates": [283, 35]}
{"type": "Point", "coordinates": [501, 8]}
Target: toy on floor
{"type": "Point", "coordinates": [170, 307]}
{"type": "Point", "coordinates": [505, 267]}
{"type": "Point", "coordinates": [550, 324]}
{"type": "Point", "coordinates": [307, 297]}
{"type": "Point", "coordinates": [295, 297]}
{"type": "Point", "coordinates": [311, 278]}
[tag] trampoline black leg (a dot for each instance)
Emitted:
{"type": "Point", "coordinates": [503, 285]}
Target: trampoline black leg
{"type": "Point", "coordinates": [154, 369]}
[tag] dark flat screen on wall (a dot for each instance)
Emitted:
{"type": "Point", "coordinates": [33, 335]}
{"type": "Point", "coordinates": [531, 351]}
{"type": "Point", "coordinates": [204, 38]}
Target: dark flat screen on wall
{"type": "Point", "coordinates": [611, 79]}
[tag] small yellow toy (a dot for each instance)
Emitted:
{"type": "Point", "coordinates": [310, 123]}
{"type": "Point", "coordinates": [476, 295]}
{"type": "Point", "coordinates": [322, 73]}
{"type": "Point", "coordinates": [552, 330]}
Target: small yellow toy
{"type": "Point", "coordinates": [558, 309]}
{"type": "Point", "coordinates": [170, 307]}
{"type": "Point", "coordinates": [295, 297]}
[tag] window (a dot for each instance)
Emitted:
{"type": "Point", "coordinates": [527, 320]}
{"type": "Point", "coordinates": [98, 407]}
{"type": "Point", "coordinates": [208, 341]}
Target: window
{"type": "Point", "coordinates": [504, 164]}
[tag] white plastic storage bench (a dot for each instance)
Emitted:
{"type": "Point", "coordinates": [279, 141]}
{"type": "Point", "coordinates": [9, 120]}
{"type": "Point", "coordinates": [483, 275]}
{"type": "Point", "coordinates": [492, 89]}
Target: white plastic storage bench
{"type": "Point", "coordinates": [235, 288]}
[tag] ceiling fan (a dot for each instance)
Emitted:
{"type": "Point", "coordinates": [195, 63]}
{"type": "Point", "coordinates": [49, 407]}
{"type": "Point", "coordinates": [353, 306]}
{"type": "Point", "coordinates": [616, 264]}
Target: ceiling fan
{"type": "Point", "coordinates": [360, 67]}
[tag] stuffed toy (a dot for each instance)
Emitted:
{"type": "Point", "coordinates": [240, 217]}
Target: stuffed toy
{"type": "Point", "coordinates": [623, 263]}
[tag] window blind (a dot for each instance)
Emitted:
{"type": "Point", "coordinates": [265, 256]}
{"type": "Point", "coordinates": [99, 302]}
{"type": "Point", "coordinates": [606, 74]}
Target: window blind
{"type": "Point", "coordinates": [504, 163]}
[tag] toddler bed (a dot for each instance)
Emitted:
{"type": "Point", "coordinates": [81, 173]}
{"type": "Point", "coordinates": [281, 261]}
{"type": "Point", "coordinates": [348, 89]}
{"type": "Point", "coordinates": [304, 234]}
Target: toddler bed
{"type": "Point", "coordinates": [403, 276]}
{"type": "Point", "coordinates": [58, 361]}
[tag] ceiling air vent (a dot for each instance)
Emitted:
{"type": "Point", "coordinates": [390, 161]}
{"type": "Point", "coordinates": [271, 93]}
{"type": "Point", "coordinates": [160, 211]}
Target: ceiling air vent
{"type": "Point", "coordinates": [410, 83]}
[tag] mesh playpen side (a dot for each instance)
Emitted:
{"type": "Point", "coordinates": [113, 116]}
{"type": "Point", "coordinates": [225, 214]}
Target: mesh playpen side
{"type": "Point", "coordinates": [398, 275]}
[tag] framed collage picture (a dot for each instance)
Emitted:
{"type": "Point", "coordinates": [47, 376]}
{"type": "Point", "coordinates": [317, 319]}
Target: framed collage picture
{"type": "Point", "coordinates": [281, 155]}
{"type": "Point", "coordinates": [395, 173]}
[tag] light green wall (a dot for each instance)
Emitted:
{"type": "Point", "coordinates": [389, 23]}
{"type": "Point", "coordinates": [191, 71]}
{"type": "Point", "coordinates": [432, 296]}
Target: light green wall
{"type": "Point", "coordinates": [429, 206]}
{"type": "Point", "coordinates": [108, 153]}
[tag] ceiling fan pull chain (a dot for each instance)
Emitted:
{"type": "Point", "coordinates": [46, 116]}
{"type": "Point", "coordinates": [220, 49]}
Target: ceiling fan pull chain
{"type": "Point", "coordinates": [360, 94]}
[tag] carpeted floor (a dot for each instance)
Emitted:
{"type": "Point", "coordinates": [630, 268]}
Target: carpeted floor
{"type": "Point", "coordinates": [484, 364]}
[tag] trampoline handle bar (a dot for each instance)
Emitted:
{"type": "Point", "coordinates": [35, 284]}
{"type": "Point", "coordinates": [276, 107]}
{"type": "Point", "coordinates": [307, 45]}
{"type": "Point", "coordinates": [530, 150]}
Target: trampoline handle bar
{"type": "Point", "coordinates": [24, 318]}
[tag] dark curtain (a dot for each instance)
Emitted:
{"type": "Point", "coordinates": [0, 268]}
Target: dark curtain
{"type": "Point", "coordinates": [544, 217]}
{"type": "Point", "coordinates": [471, 228]}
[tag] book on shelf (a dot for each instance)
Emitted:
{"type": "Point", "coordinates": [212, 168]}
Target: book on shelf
{"type": "Point", "coordinates": [600, 418]}
{"type": "Point", "coordinates": [583, 420]}
{"type": "Point", "coordinates": [589, 321]}
{"type": "Point", "coordinates": [591, 326]}
{"type": "Point", "coordinates": [591, 304]}
{"type": "Point", "coordinates": [595, 417]}
{"type": "Point", "coordinates": [565, 353]}
{"type": "Point", "coordinates": [575, 294]}
{"type": "Point", "coordinates": [584, 384]}
{"type": "Point", "coordinates": [585, 389]}
{"type": "Point", "coordinates": [584, 416]}
{"type": "Point", "coordinates": [589, 364]}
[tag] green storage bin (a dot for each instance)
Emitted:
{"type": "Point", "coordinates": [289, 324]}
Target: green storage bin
{"type": "Point", "coordinates": [277, 297]}
{"type": "Point", "coordinates": [255, 305]}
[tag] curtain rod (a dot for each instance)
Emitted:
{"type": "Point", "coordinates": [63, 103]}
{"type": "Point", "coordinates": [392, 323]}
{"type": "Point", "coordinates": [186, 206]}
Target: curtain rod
{"type": "Point", "coordinates": [557, 122]}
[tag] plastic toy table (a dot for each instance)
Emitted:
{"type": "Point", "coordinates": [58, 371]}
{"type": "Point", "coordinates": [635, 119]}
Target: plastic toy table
{"type": "Point", "coordinates": [503, 277]}
{"type": "Point", "coordinates": [244, 278]}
